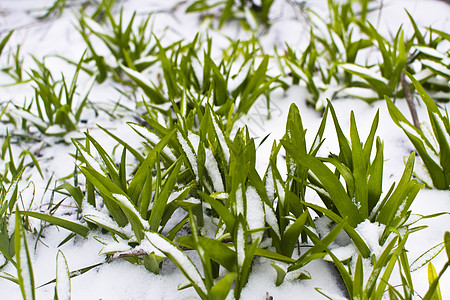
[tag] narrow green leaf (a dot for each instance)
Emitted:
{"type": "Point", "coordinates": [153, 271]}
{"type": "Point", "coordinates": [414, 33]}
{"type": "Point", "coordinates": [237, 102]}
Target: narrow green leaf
{"type": "Point", "coordinates": [75, 192]}
{"type": "Point", "coordinates": [392, 205]}
{"type": "Point", "coordinates": [222, 288]}
{"type": "Point", "coordinates": [382, 261]}
{"type": "Point", "coordinates": [131, 213]}
{"type": "Point", "coordinates": [5, 40]}
{"type": "Point", "coordinates": [344, 146]}
{"type": "Point", "coordinates": [137, 183]}
{"type": "Point", "coordinates": [447, 244]}
{"type": "Point", "coordinates": [359, 170]}
{"type": "Point", "coordinates": [159, 203]}
{"type": "Point", "coordinates": [378, 294]}
{"type": "Point", "coordinates": [216, 250]}
{"type": "Point", "coordinates": [317, 251]}
{"type": "Point", "coordinates": [24, 266]}
{"type": "Point", "coordinates": [133, 151]}
{"type": "Point", "coordinates": [290, 236]}
{"type": "Point", "coordinates": [273, 255]}
{"type": "Point", "coordinates": [69, 225]}
{"type": "Point", "coordinates": [375, 177]}
{"type": "Point", "coordinates": [421, 144]}
{"type": "Point", "coordinates": [106, 189]}
{"type": "Point", "coordinates": [358, 280]}
{"type": "Point", "coordinates": [432, 275]}
{"type": "Point", "coordinates": [148, 88]}
{"type": "Point", "coordinates": [281, 273]}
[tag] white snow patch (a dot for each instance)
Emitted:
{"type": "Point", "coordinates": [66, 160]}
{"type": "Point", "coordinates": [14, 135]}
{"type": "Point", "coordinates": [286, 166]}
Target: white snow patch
{"type": "Point", "coordinates": [371, 233]}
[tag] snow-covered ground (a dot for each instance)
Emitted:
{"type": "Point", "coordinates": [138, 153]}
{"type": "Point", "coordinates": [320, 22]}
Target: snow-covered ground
{"type": "Point", "coordinates": [122, 280]}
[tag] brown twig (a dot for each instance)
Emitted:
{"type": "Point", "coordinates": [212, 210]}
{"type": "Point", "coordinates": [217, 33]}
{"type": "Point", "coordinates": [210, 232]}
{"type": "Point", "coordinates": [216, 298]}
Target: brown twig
{"type": "Point", "coordinates": [409, 100]}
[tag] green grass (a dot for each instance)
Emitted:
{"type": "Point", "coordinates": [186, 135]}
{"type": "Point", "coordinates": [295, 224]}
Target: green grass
{"type": "Point", "coordinates": [192, 158]}
{"type": "Point", "coordinates": [57, 104]}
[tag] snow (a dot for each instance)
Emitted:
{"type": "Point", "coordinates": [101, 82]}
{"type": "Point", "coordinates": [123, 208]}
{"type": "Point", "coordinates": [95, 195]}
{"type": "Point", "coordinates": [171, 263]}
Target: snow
{"type": "Point", "coordinates": [371, 234]}
{"type": "Point", "coordinates": [122, 280]}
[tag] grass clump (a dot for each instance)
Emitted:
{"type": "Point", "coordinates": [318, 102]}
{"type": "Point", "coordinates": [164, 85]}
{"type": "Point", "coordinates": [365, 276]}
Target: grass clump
{"type": "Point", "coordinates": [128, 46]}
{"type": "Point", "coordinates": [56, 107]}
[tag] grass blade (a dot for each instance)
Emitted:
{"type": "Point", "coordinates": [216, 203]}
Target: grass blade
{"type": "Point", "coordinates": [24, 267]}
{"type": "Point", "coordinates": [62, 288]}
{"type": "Point", "coordinates": [69, 225]}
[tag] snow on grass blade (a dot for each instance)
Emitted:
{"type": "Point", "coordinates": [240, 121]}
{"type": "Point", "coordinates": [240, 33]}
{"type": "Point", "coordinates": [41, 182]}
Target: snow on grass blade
{"type": "Point", "coordinates": [190, 154]}
{"type": "Point", "coordinates": [152, 138]}
{"type": "Point", "coordinates": [255, 212]}
{"type": "Point", "coordinates": [220, 137]}
{"type": "Point", "coordinates": [133, 151]}
{"type": "Point", "coordinates": [133, 216]}
{"type": "Point", "coordinates": [375, 81]}
{"type": "Point", "coordinates": [88, 158]}
{"type": "Point", "coordinates": [179, 258]}
{"type": "Point", "coordinates": [148, 87]}
{"type": "Point", "coordinates": [62, 288]}
{"type": "Point", "coordinates": [24, 267]}
{"type": "Point", "coordinates": [213, 171]}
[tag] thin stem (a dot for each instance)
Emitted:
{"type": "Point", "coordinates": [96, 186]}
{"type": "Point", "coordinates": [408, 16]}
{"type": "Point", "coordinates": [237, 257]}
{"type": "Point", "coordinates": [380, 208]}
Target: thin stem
{"type": "Point", "coordinates": [410, 101]}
